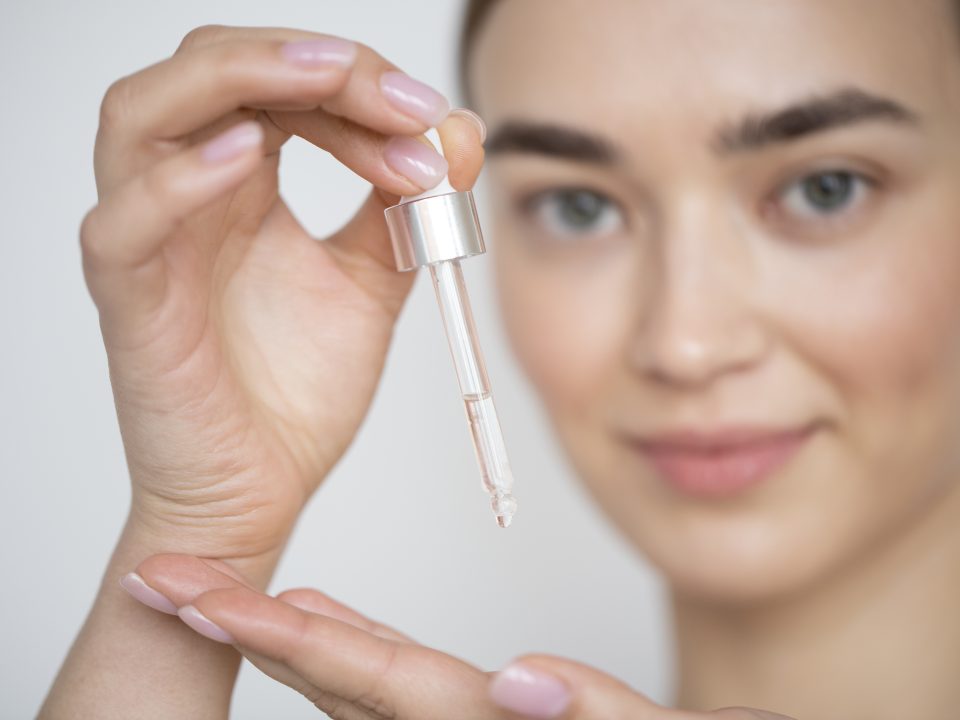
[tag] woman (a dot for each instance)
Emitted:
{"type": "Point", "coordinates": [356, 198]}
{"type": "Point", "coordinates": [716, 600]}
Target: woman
{"type": "Point", "coordinates": [729, 253]}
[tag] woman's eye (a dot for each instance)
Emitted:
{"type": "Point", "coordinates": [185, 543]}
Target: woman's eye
{"type": "Point", "coordinates": [575, 212]}
{"type": "Point", "coordinates": [824, 194]}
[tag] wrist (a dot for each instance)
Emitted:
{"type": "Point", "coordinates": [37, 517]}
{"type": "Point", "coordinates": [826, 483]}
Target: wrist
{"type": "Point", "coordinates": [133, 644]}
{"type": "Point", "coordinates": [144, 534]}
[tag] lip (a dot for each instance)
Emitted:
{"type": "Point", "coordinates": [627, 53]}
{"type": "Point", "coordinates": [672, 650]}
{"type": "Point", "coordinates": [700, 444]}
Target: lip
{"type": "Point", "coordinates": [722, 462]}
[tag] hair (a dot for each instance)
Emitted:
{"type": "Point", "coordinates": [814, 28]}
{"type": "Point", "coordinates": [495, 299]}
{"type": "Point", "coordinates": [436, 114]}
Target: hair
{"type": "Point", "coordinates": [477, 12]}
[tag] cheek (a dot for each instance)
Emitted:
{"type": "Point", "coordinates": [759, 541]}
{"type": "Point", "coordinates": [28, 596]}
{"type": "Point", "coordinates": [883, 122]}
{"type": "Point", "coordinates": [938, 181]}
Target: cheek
{"type": "Point", "coordinates": [887, 339]}
{"type": "Point", "coordinates": [568, 322]}
{"type": "Point", "coordinates": [878, 328]}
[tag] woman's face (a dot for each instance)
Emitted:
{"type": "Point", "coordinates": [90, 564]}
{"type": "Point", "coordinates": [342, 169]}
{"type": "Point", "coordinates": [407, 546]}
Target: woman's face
{"type": "Point", "coordinates": [768, 235]}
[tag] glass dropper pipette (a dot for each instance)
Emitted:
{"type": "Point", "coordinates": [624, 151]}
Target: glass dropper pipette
{"type": "Point", "coordinates": [438, 228]}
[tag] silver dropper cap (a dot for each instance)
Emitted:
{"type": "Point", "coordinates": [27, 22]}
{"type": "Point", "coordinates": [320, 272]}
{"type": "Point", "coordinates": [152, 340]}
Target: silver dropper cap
{"type": "Point", "coordinates": [437, 225]}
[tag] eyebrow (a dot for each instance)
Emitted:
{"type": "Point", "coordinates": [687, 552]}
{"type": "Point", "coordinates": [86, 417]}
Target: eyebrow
{"type": "Point", "coordinates": [552, 140]}
{"type": "Point", "coordinates": [817, 114]}
{"type": "Point", "coordinates": [756, 131]}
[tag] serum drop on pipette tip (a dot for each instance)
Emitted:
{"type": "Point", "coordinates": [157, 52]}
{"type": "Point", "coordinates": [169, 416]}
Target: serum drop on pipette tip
{"type": "Point", "coordinates": [504, 506]}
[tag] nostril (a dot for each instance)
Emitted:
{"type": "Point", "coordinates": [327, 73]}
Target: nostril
{"type": "Point", "coordinates": [681, 361]}
{"type": "Point", "coordinates": [695, 354]}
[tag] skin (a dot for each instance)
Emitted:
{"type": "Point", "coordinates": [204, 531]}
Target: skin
{"type": "Point", "coordinates": [190, 263]}
{"type": "Point", "coordinates": [712, 298]}
{"type": "Point", "coordinates": [355, 668]}
{"type": "Point", "coordinates": [714, 301]}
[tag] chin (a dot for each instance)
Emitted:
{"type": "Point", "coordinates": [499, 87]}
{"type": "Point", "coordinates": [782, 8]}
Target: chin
{"type": "Point", "coordinates": [742, 558]}
{"type": "Point", "coordinates": [738, 561]}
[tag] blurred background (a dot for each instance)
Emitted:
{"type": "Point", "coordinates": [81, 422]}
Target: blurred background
{"type": "Point", "coordinates": [401, 529]}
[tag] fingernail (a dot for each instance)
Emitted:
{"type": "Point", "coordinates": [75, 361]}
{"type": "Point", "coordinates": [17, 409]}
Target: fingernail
{"type": "Point", "coordinates": [418, 163]}
{"type": "Point", "coordinates": [141, 592]}
{"type": "Point", "coordinates": [475, 119]}
{"type": "Point", "coordinates": [528, 692]}
{"type": "Point", "coordinates": [414, 98]}
{"type": "Point", "coordinates": [232, 143]}
{"type": "Point", "coordinates": [322, 52]}
{"type": "Point", "coordinates": [204, 625]}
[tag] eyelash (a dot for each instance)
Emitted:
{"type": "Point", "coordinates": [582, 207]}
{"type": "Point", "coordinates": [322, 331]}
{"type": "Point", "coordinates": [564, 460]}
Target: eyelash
{"type": "Point", "coordinates": [785, 207]}
{"type": "Point", "coordinates": [788, 201]}
{"type": "Point", "coordinates": [543, 207]}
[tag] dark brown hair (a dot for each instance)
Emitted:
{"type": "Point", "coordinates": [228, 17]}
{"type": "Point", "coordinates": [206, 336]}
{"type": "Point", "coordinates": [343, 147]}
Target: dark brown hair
{"type": "Point", "coordinates": [475, 13]}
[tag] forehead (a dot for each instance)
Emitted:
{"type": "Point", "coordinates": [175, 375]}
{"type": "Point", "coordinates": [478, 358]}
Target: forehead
{"type": "Point", "coordinates": [695, 62]}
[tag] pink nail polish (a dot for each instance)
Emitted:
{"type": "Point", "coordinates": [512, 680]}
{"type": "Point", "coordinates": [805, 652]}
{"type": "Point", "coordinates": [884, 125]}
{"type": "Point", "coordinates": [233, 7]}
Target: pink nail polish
{"type": "Point", "coordinates": [528, 692]}
{"type": "Point", "coordinates": [204, 625]}
{"type": "Point", "coordinates": [475, 119]}
{"type": "Point", "coordinates": [141, 592]}
{"type": "Point", "coordinates": [414, 98]}
{"type": "Point", "coordinates": [415, 161]}
{"type": "Point", "coordinates": [233, 142]}
{"type": "Point", "coordinates": [322, 52]}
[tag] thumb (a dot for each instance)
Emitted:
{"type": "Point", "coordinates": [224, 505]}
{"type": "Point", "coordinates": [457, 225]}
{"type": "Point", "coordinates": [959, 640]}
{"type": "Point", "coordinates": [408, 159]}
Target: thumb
{"type": "Point", "coordinates": [363, 248]}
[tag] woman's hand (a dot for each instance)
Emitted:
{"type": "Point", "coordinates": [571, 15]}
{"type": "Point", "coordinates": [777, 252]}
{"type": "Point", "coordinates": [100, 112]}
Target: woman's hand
{"type": "Point", "coordinates": [243, 352]}
{"type": "Point", "coordinates": [353, 668]}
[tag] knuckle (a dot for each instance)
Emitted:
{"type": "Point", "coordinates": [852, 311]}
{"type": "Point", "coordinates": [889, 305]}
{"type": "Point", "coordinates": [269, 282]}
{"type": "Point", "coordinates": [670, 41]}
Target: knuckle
{"type": "Point", "coordinates": [201, 35]}
{"type": "Point", "coordinates": [376, 697]}
{"type": "Point", "coordinates": [288, 596]}
{"type": "Point", "coordinates": [299, 596]}
{"type": "Point", "coordinates": [230, 56]}
{"type": "Point", "coordinates": [232, 63]}
{"type": "Point", "coordinates": [305, 631]}
{"type": "Point", "coordinates": [90, 232]}
{"type": "Point", "coordinates": [159, 185]}
{"type": "Point", "coordinates": [116, 102]}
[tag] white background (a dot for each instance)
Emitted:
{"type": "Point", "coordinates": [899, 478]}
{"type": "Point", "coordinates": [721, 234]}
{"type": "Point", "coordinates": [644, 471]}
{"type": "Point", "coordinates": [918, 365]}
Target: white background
{"type": "Point", "coordinates": [401, 529]}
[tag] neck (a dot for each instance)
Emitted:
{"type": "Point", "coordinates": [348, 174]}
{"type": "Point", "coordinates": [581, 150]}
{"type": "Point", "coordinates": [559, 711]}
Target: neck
{"type": "Point", "coordinates": [879, 640]}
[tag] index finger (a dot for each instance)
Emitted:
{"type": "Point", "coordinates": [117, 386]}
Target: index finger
{"type": "Point", "coordinates": [270, 69]}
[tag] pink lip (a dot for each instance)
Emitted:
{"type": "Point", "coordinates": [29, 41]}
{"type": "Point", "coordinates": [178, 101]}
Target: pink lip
{"type": "Point", "coordinates": [720, 464]}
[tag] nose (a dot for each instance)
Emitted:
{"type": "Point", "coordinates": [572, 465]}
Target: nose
{"type": "Point", "coordinates": [699, 321]}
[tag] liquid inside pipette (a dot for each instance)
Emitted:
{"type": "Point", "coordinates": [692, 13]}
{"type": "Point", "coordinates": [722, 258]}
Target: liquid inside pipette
{"type": "Point", "coordinates": [495, 473]}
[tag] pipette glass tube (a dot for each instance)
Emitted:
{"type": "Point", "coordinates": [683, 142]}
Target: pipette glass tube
{"type": "Point", "coordinates": [475, 388]}
{"type": "Point", "coordinates": [437, 229]}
